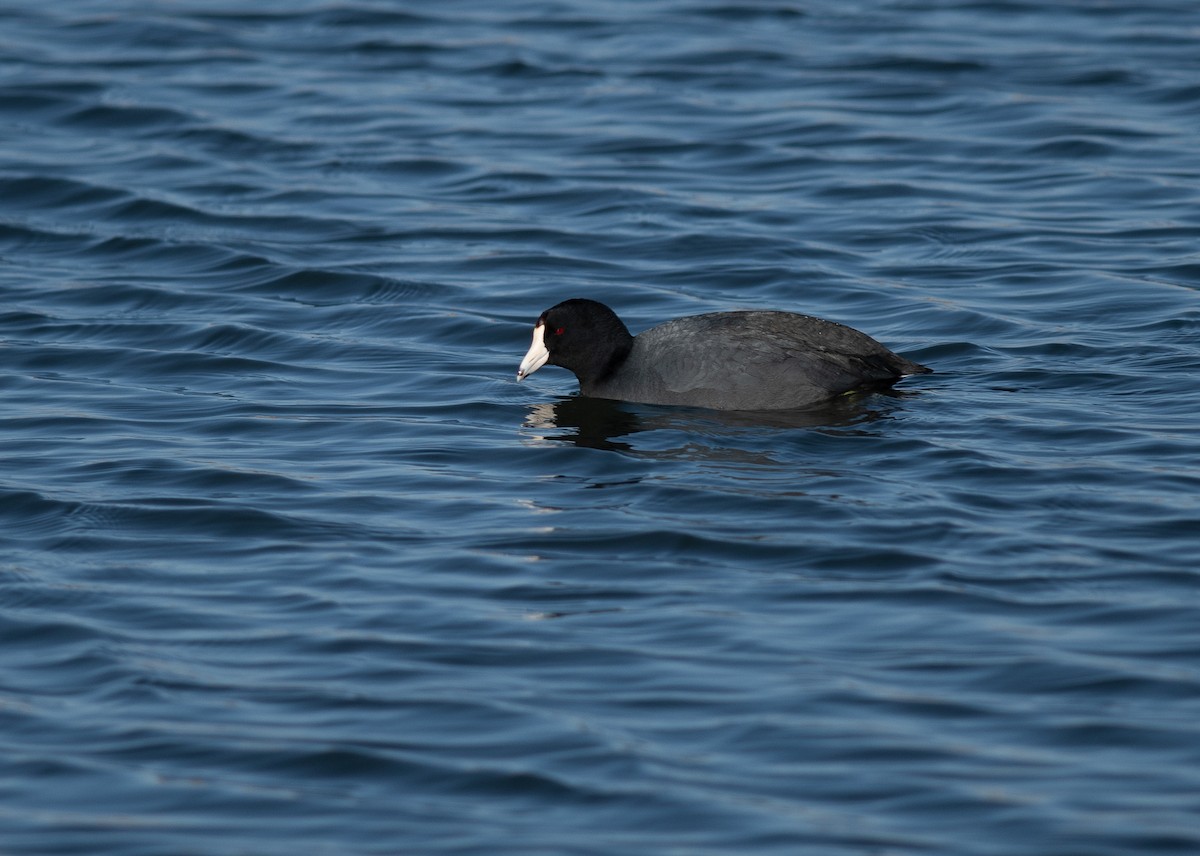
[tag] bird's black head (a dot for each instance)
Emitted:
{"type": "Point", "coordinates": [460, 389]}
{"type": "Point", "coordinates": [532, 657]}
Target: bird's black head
{"type": "Point", "coordinates": [581, 335]}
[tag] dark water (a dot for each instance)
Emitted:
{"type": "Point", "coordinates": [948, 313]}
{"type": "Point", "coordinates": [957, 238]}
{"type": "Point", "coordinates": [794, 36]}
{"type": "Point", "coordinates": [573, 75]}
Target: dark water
{"type": "Point", "coordinates": [290, 564]}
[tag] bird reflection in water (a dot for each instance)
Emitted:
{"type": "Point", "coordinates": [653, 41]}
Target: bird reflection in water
{"type": "Point", "coordinates": [600, 423]}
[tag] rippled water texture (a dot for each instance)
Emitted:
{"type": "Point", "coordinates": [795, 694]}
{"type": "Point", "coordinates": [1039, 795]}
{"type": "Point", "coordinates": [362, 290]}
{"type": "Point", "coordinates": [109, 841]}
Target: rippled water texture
{"type": "Point", "coordinates": [289, 562]}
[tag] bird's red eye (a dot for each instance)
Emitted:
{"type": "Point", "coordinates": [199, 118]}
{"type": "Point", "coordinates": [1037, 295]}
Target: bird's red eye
{"type": "Point", "coordinates": [560, 331]}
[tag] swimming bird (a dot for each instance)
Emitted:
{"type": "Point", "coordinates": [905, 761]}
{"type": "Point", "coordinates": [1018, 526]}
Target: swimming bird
{"type": "Point", "coordinates": [745, 360]}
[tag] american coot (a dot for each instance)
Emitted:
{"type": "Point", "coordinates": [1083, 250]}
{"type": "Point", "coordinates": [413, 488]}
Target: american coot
{"type": "Point", "coordinates": [752, 360]}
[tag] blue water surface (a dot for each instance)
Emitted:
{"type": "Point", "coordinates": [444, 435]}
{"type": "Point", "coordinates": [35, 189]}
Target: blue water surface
{"type": "Point", "coordinates": [289, 562]}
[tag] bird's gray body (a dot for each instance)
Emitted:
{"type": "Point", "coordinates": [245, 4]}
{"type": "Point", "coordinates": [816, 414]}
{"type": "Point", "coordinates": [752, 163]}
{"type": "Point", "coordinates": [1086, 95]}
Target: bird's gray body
{"type": "Point", "coordinates": [752, 360]}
